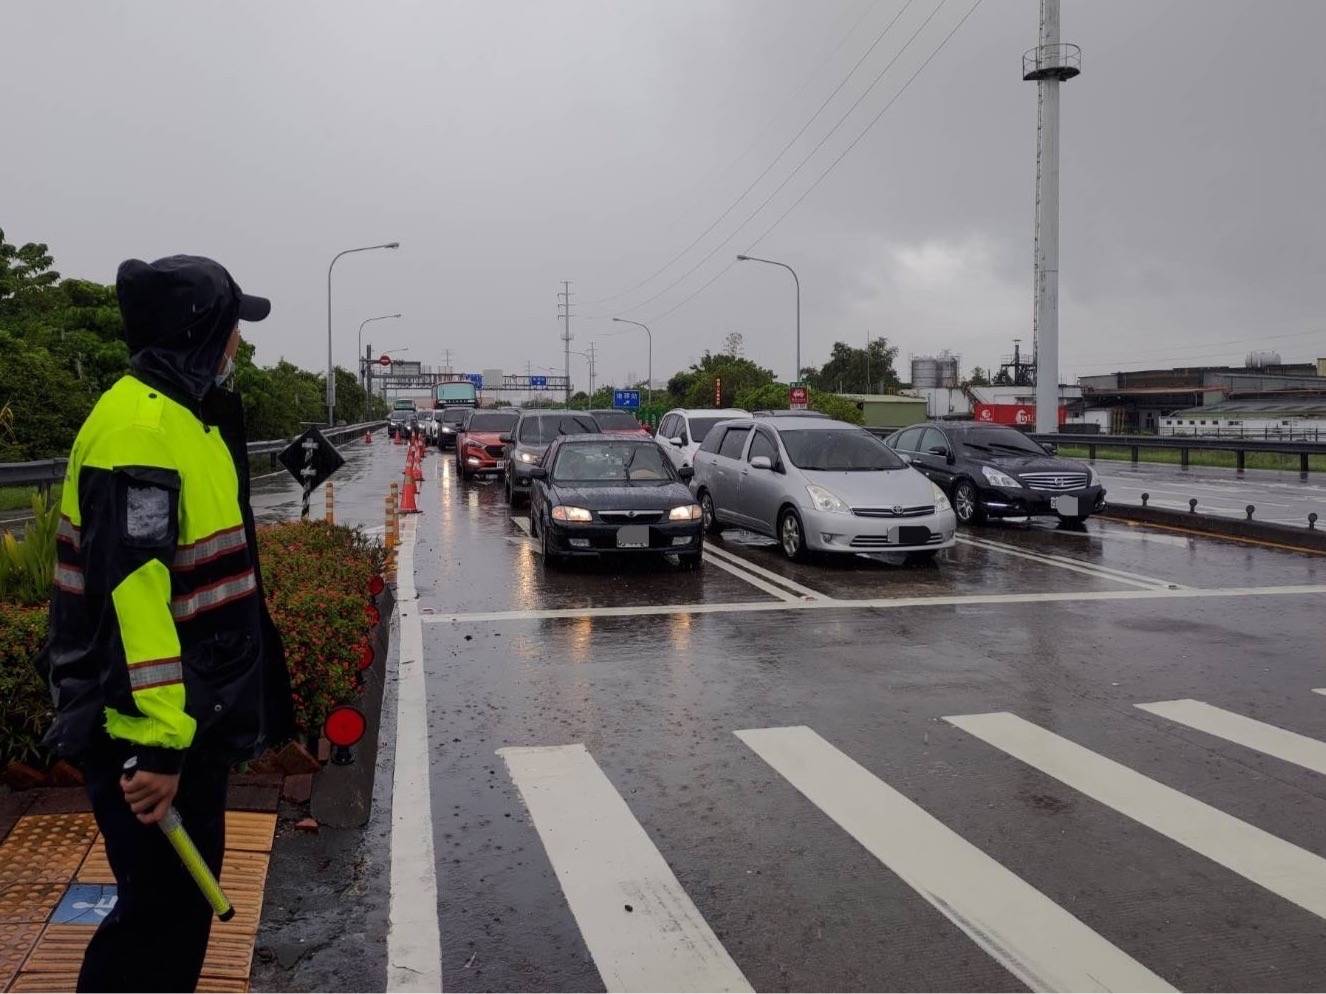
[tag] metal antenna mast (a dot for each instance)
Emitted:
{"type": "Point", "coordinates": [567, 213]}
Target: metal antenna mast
{"type": "Point", "coordinates": [1048, 64]}
{"type": "Point", "coordinates": [564, 312]}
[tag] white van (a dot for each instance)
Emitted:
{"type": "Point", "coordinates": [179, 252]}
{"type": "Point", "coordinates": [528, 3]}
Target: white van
{"type": "Point", "coordinates": [681, 431]}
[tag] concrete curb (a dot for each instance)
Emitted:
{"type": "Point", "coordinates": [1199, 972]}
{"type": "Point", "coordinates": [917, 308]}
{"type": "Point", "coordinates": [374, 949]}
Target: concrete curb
{"type": "Point", "coordinates": [1305, 539]}
{"type": "Point", "coordinates": [343, 795]}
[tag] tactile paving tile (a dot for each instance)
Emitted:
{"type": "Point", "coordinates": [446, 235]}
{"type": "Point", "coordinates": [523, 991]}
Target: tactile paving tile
{"type": "Point", "coordinates": [50, 831]}
{"type": "Point", "coordinates": [59, 950]}
{"type": "Point", "coordinates": [221, 985]}
{"type": "Point", "coordinates": [28, 902]}
{"type": "Point", "coordinates": [250, 830]}
{"type": "Point", "coordinates": [96, 869]}
{"type": "Point", "coordinates": [30, 983]}
{"type": "Point", "coordinates": [243, 876]}
{"type": "Point", "coordinates": [20, 865]}
{"type": "Point", "coordinates": [229, 956]}
{"type": "Point", "coordinates": [16, 942]}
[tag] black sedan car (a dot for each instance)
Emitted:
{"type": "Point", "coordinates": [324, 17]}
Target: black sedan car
{"type": "Point", "coordinates": [997, 472]}
{"type": "Point", "coordinates": [605, 494]}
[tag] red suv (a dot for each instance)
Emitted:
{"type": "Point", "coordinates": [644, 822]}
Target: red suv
{"type": "Point", "coordinates": [479, 446]}
{"type": "Point", "coordinates": [616, 422]}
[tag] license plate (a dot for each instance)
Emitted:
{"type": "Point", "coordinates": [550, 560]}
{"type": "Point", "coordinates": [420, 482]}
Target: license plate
{"type": "Point", "coordinates": [633, 537]}
{"type": "Point", "coordinates": [1065, 504]}
{"type": "Point", "coordinates": [910, 535]}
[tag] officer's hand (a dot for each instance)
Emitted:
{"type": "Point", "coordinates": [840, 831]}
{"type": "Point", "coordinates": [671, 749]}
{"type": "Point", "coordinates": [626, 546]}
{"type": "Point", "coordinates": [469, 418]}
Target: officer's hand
{"type": "Point", "coordinates": [150, 794]}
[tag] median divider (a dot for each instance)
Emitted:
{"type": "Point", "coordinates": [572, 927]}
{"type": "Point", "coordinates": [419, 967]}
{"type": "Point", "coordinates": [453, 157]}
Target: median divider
{"type": "Point", "coordinates": [1249, 529]}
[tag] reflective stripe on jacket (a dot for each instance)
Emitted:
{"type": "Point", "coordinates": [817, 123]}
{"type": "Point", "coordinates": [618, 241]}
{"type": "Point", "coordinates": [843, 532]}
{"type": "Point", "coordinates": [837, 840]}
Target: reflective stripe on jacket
{"type": "Point", "coordinates": [158, 630]}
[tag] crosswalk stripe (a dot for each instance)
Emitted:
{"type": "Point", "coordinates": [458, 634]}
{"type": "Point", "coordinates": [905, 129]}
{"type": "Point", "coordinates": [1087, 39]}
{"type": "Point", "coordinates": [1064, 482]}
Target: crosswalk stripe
{"type": "Point", "coordinates": [642, 929]}
{"type": "Point", "coordinates": [1281, 867]}
{"type": "Point", "coordinates": [1242, 730]}
{"type": "Point", "coordinates": [1040, 943]}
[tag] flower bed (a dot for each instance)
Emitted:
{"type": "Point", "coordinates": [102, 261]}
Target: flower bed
{"type": "Point", "coordinates": [317, 579]}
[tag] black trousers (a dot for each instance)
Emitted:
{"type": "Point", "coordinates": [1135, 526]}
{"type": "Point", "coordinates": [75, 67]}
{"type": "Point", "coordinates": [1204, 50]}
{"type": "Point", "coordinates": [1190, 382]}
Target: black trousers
{"type": "Point", "coordinates": [156, 936]}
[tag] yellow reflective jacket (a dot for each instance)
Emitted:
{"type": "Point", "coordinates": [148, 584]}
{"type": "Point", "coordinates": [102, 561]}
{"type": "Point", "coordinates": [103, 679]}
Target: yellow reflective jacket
{"type": "Point", "coordinates": [159, 635]}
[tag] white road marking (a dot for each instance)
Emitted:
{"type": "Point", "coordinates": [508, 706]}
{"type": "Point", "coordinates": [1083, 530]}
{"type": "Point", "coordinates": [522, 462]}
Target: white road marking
{"type": "Point", "coordinates": [1319, 690]}
{"type": "Point", "coordinates": [1040, 943]}
{"type": "Point", "coordinates": [1062, 563]}
{"type": "Point", "coordinates": [878, 603]}
{"type": "Point", "coordinates": [1242, 730]}
{"type": "Point", "coordinates": [1281, 867]}
{"type": "Point", "coordinates": [521, 522]}
{"type": "Point", "coordinates": [1108, 571]}
{"type": "Point", "coordinates": [777, 578]}
{"type": "Point", "coordinates": [414, 947]}
{"type": "Point", "coordinates": [750, 578]}
{"type": "Point", "coordinates": [642, 929]}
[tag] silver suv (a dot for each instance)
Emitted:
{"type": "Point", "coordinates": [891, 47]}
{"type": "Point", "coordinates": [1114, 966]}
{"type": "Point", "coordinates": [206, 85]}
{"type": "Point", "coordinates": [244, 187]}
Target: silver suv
{"type": "Point", "coordinates": [818, 485]}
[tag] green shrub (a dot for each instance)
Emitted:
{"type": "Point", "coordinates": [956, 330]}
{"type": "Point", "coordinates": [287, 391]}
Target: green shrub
{"type": "Point", "coordinates": [25, 703]}
{"type": "Point", "coordinates": [773, 397]}
{"type": "Point", "coordinates": [27, 564]}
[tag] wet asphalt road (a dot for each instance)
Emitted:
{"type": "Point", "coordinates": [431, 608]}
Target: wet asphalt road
{"type": "Point", "coordinates": [1067, 630]}
{"type": "Point", "coordinates": [1280, 496]}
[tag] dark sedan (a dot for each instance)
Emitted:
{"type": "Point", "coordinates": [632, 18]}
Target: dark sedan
{"type": "Point", "coordinates": [604, 494]}
{"type": "Point", "coordinates": [525, 444]}
{"type": "Point", "coordinates": [997, 472]}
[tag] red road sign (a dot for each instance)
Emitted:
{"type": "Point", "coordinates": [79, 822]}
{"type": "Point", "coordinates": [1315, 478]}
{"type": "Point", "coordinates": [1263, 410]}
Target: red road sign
{"type": "Point", "coordinates": [1019, 415]}
{"type": "Point", "coordinates": [798, 398]}
{"type": "Point", "coordinates": [384, 360]}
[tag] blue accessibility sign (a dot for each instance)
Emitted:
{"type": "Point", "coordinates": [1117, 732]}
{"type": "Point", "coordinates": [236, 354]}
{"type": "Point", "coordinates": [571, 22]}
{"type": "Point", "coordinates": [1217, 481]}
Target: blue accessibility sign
{"type": "Point", "coordinates": [85, 904]}
{"type": "Point", "coordinates": [626, 398]}
{"type": "Point", "coordinates": [538, 381]}
{"type": "Point", "coordinates": [476, 379]}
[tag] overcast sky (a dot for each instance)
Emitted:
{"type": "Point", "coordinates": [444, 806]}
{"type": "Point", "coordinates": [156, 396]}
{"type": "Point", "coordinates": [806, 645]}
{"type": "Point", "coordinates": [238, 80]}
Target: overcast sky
{"type": "Point", "coordinates": [509, 146]}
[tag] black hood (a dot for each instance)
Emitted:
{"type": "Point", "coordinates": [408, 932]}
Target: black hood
{"type": "Point", "coordinates": [178, 315]}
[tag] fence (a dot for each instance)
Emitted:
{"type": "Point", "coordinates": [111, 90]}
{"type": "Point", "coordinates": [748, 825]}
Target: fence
{"type": "Point", "coordinates": [1240, 446]}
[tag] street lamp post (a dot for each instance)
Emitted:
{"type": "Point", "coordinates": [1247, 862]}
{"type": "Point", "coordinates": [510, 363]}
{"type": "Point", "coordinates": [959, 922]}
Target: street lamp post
{"type": "Point", "coordinates": [331, 369]}
{"type": "Point", "coordinates": [363, 360]}
{"type": "Point", "coordinates": [649, 388]}
{"type": "Point", "coordinates": [796, 374]}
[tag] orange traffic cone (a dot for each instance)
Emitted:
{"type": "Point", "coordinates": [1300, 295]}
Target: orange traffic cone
{"type": "Point", "coordinates": [416, 472]}
{"type": "Point", "coordinates": [408, 506]}
{"type": "Point", "coordinates": [397, 440]}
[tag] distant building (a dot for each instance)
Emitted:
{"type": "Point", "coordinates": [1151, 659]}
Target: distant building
{"type": "Point", "coordinates": [1275, 416]}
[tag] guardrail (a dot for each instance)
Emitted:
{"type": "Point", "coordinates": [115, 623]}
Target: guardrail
{"type": "Point", "coordinates": [1187, 443]}
{"type": "Point", "coordinates": [44, 473]}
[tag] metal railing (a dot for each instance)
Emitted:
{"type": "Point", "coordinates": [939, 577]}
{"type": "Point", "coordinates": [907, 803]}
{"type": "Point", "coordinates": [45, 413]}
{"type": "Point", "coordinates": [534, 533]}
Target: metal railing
{"type": "Point", "coordinates": [44, 473]}
{"type": "Point", "coordinates": [1186, 444]}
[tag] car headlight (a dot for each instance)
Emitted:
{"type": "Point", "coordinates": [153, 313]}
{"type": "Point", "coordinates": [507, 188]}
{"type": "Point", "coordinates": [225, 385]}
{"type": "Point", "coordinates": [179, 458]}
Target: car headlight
{"type": "Point", "coordinates": [687, 512]}
{"type": "Point", "coordinates": [941, 499]}
{"type": "Point", "coordinates": [1093, 478]}
{"type": "Point", "coordinates": [528, 457]}
{"type": "Point", "coordinates": [449, 431]}
{"type": "Point", "coordinates": [564, 512]}
{"type": "Point", "coordinates": [825, 500]}
{"type": "Point", "coordinates": [999, 479]}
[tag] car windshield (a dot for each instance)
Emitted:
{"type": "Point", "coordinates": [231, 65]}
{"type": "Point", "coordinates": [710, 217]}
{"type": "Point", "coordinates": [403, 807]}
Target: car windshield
{"type": "Point", "coordinates": [492, 422]}
{"type": "Point", "coordinates": [400, 415]}
{"type": "Point", "coordinates": [839, 450]}
{"type": "Point", "coordinates": [616, 421]}
{"type": "Point", "coordinates": [611, 462]}
{"type": "Point", "coordinates": [700, 427]}
{"type": "Point", "coordinates": [543, 429]}
{"type": "Point", "coordinates": [454, 415]}
{"type": "Point", "coordinates": [1000, 440]}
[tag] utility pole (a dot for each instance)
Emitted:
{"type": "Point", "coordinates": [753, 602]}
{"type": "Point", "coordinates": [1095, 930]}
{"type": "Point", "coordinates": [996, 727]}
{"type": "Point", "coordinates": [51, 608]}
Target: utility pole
{"type": "Point", "coordinates": [564, 312]}
{"type": "Point", "coordinates": [591, 372]}
{"type": "Point", "coordinates": [1048, 65]}
{"type": "Point", "coordinates": [446, 361]}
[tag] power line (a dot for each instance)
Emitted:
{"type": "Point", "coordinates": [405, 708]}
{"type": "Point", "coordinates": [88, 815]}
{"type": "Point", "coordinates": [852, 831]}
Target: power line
{"type": "Point", "coordinates": [769, 168]}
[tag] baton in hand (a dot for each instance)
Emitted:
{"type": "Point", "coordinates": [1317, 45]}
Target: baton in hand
{"type": "Point", "coordinates": [172, 827]}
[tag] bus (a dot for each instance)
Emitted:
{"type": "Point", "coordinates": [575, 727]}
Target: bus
{"type": "Point", "coordinates": [455, 393]}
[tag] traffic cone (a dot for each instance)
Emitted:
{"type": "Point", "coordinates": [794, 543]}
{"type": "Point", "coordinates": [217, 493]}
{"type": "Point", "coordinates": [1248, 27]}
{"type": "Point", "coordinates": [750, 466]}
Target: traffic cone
{"type": "Point", "coordinates": [408, 506]}
{"type": "Point", "coordinates": [397, 440]}
{"type": "Point", "coordinates": [417, 472]}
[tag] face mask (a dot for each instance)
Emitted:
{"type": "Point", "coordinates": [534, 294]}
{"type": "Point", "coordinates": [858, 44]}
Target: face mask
{"type": "Point", "coordinates": [226, 371]}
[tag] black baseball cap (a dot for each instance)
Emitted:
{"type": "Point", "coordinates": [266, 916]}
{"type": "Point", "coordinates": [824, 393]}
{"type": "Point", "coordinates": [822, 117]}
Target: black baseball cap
{"type": "Point", "coordinates": [181, 298]}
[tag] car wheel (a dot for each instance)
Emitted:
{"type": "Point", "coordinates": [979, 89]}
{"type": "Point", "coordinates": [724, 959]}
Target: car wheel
{"type": "Point", "coordinates": [967, 503]}
{"type": "Point", "coordinates": [711, 523]}
{"type": "Point", "coordinates": [551, 560]}
{"type": "Point", "coordinates": [792, 535]}
{"type": "Point", "coordinates": [506, 486]}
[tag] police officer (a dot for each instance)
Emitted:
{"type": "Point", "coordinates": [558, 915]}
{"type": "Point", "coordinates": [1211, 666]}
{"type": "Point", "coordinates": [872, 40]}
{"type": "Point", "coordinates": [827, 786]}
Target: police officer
{"type": "Point", "coordinates": [161, 653]}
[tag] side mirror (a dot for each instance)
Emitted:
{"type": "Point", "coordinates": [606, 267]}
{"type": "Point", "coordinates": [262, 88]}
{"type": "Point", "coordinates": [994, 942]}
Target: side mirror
{"type": "Point", "coordinates": [761, 462]}
{"type": "Point", "coordinates": [677, 440]}
{"type": "Point", "coordinates": [687, 474]}
{"type": "Point", "coordinates": [538, 472]}
{"type": "Point", "coordinates": [506, 439]}
{"type": "Point", "coordinates": [905, 457]}
{"type": "Point", "coordinates": [938, 450]}
{"type": "Point", "coordinates": [1050, 447]}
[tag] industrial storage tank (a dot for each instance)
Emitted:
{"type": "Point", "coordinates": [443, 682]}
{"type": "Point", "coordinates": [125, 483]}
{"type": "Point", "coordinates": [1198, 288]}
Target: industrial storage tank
{"type": "Point", "coordinates": [929, 372]}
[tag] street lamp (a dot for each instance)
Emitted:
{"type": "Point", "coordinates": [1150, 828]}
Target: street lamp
{"type": "Point", "coordinates": [360, 353]}
{"type": "Point", "coordinates": [331, 369]}
{"type": "Point", "coordinates": [796, 374]}
{"type": "Point", "coordinates": [649, 387]}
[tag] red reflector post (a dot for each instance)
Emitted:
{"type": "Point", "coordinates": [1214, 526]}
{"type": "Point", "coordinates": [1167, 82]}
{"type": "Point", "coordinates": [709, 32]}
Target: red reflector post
{"type": "Point", "coordinates": [376, 586]}
{"type": "Point", "coordinates": [374, 615]}
{"type": "Point", "coordinates": [366, 656]}
{"type": "Point", "coordinates": [344, 726]}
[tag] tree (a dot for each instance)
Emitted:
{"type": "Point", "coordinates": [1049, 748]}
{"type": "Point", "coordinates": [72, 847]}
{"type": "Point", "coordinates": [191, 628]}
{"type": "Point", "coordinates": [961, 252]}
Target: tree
{"type": "Point", "coordinates": [716, 379]}
{"type": "Point", "coordinates": [853, 370]}
{"type": "Point", "coordinates": [774, 397]}
{"type": "Point", "coordinates": [979, 378]}
{"type": "Point", "coordinates": [23, 270]}
{"type": "Point", "coordinates": [734, 344]}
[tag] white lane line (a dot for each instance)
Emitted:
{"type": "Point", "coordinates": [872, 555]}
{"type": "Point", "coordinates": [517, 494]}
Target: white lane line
{"type": "Point", "coordinates": [879, 603]}
{"type": "Point", "coordinates": [750, 578]}
{"type": "Point", "coordinates": [521, 522]}
{"type": "Point", "coordinates": [1060, 564]}
{"type": "Point", "coordinates": [1242, 730]}
{"type": "Point", "coordinates": [414, 947]}
{"type": "Point", "coordinates": [1040, 943]}
{"type": "Point", "coordinates": [1070, 561]}
{"type": "Point", "coordinates": [1319, 690]}
{"type": "Point", "coordinates": [643, 931]}
{"type": "Point", "coordinates": [778, 578]}
{"type": "Point", "coordinates": [1281, 867]}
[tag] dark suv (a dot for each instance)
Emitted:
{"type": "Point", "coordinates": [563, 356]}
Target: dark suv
{"type": "Point", "coordinates": [526, 443]}
{"type": "Point", "coordinates": [997, 472]}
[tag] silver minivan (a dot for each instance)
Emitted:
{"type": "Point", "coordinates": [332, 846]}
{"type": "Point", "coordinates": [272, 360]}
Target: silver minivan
{"type": "Point", "coordinates": [818, 485]}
